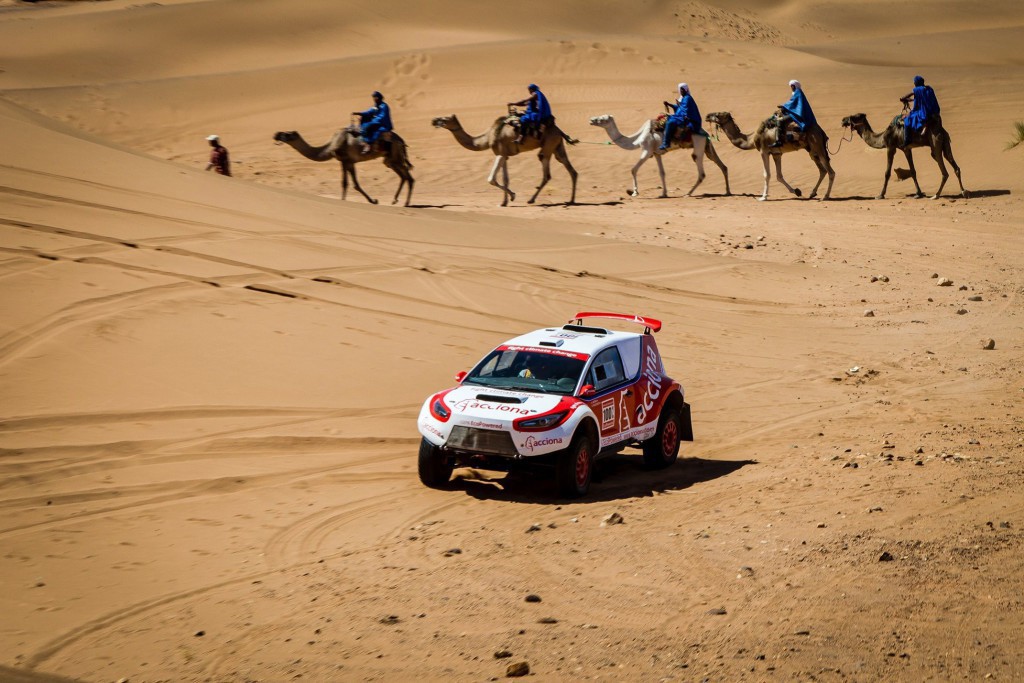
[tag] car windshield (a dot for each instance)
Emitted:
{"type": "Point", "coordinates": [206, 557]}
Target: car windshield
{"type": "Point", "coordinates": [528, 370]}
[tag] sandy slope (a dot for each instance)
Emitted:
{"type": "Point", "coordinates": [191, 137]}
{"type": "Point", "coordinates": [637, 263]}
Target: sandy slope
{"type": "Point", "coordinates": [208, 386]}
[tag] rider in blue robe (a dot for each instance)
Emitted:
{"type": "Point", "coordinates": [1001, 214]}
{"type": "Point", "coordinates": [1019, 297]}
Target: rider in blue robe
{"type": "Point", "coordinates": [537, 114]}
{"type": "Point", "coordinates": [686, 117]}
{"type": "Point", "coordinates": [926, 107]}
{"type": "Point", "coordinates": [798, 110]}
{"type": "Point", "coordinates": [375, 121]}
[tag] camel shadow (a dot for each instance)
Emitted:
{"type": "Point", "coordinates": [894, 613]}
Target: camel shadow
{"type": "Point", "coordinates": [980, 194]}
{"type": "Point", "coordinates": [434, 206]}
{"type": "Point", "coordinates": [615, 478]}
{"type": "Point", "coordinates": [553, 204]}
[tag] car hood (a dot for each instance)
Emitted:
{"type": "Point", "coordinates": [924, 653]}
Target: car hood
{"type": "Point", "coordinates": [497, 405]}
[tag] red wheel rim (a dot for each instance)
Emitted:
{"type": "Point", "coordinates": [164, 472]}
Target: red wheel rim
{"type": "Point", "coordinates": [582, 466]}
{"type": "Point", "coordinates": [669, 438]}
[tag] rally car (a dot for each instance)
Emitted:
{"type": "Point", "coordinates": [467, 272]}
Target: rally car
{"type": "Point", "coordinates": [557, 399]}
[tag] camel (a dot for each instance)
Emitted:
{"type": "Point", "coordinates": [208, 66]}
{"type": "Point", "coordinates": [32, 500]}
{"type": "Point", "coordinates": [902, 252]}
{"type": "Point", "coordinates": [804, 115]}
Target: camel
{"type": "Point", "coordinates": [500, 139]}
{"type": "Point", "coordinates": [648, 140]}
{"type": "Point", "coordinates": [814, 141]}
{"type": "Point", "coordinates": [346, 146]}
{"type": "Point", "coordinates": [933, 136]}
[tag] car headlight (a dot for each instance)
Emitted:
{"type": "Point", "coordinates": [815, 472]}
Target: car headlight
{"type": "Point", "coordinates": [543, 422]}
{"type": "Point", "coordinates": [438, 408]}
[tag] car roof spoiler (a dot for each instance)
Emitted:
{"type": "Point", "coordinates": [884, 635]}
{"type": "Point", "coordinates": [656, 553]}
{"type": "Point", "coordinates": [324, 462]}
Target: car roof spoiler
{"type": "Point", "coordinates": [650, 324]}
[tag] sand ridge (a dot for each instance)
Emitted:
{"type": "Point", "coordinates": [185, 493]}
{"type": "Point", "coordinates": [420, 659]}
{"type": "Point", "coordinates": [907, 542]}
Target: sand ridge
{"type": "Point", "coordinates": [208, 386]}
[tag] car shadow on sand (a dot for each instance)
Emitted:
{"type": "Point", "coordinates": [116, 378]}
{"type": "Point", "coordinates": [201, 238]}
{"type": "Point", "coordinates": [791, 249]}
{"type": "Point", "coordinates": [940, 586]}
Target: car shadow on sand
{"type": "Point", "coordinates": [616, 478]}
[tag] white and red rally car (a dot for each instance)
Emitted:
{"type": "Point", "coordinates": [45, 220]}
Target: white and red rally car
{"type": "Point", "coordinates": [558, 397]}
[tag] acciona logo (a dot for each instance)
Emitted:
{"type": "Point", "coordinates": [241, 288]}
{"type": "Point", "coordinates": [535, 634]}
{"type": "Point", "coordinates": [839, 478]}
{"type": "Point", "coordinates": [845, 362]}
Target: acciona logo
{"type": "Point", "coordinates": [472, 404]}
{"type": "Point", "coordinates": [532, 443]}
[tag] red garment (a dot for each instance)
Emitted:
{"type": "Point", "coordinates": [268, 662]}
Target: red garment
{"type": "Point", "coordinates": [219, 160]}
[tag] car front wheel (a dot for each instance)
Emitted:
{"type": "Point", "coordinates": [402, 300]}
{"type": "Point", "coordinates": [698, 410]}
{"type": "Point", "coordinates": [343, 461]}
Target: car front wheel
{"type": "Point", "coordinates": [662, 449]}
{"type": "Point", "coordinates": [434, 467]}
{"type": "Point", "coordinates": [574, 467]}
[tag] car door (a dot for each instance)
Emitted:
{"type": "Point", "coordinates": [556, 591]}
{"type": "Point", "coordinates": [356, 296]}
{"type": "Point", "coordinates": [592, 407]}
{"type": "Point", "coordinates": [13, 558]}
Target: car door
{"type": "Point", "coordinates": [615, 397]}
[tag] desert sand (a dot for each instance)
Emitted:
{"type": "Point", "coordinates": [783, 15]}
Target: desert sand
{"type": "Point", "coordinates": [209, 385]}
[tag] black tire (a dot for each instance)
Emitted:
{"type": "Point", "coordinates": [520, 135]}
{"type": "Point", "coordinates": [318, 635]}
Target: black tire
{"type": "Point", "coordinates": [434, 467]}
{"type": "Point", "coordinates": [575, 467]}
{"type": "Point", "coordinates": [662, 449]}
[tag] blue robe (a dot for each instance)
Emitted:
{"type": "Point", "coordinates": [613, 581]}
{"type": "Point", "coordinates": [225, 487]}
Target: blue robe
{"type": "Point", "coordinates": [799, 109]}
{"type": "Point", "coordinates": [375, 120]}
{"type": "Point", "coordinates": [686, 116]}
{"type": "Point", "coordinates": [926, 105]}
{"type": "Point", "coordinates": [537, 110]}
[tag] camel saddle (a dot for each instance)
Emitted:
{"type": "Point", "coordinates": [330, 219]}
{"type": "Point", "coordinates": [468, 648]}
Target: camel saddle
{"type": "Point", "coordinates": [681, 136]}
{"type": "Point", "coordinates": [514, 120]}
{"type": "Point", "coordinates": [792, 132]}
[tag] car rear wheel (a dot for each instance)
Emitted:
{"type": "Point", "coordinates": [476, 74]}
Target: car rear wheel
{"type": "Point", "coordinates": [434, 467]}
{"type": "Point", "coordinates": [662, 449]}
{"type": "Point", "coordinates": [574, 467]}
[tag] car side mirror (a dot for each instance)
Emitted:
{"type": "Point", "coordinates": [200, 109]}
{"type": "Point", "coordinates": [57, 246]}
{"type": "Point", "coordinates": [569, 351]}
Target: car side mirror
{"type": "Point", "coordinates": [460, 376]}
{"type": "Point", "coordinates": [587, 390]}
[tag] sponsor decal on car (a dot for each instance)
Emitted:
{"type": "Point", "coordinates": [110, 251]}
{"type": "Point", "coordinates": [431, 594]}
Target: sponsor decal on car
{"type": "Point", "coordinates": [484, 425]}
{"type": "Point", "coordinates": [430, 428]}
{"type": "Point", "coordinates": [532, 442]}
{"type": "Point", "coordinates": [549, 351]}
{"type": "Point", "coordinates": [652, 390]}
{"type": "Point", "coordinates": [473, 404]}
{"type": "Point", "coordinates": [607, 414]}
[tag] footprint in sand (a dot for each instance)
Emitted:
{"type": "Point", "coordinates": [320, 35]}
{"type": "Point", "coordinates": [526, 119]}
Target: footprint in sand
{"type": "Point", "coordinates": [629, 51]}
{"type": "Point", "coordinates": [598, 47]}
{"type": "Point", "coordinates": [567, 46]}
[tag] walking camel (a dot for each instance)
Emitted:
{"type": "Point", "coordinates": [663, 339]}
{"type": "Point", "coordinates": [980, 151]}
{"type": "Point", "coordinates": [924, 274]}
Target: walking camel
{"type": "Point", "coordinates": [933, 136]}
{"type": "Point", "coordinates": [813, 140]}
{"type": "Point", "coordinates": [500, 138]}
{"type": "Point", "coordinates": [647, 139]}
{"type": "Point", "coordinates": [346, 146]}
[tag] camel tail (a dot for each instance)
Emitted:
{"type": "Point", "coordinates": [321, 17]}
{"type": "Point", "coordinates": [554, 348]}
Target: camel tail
{"type": "Point", "coordinates": [903, 174]}
{"type": "Point", "coordinates": [569, 139]}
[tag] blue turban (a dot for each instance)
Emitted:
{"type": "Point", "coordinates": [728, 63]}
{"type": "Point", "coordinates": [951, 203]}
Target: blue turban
{"type": "Point", "coordinates": [918, 80]}
{"type": "Point", "coordinates": [532, 87]}
{"type": "Point", "coordinates": [376, 93]}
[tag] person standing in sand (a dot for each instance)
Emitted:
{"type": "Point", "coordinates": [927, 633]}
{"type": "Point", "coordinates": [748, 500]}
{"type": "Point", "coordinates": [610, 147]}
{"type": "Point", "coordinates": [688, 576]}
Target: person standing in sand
{"type": "Point", "coordinates": [218, 156]}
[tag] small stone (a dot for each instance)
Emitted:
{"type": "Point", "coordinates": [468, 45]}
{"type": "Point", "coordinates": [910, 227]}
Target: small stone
{"type": "Point", "coordinates": [962, 288]}
{"type": "Point", "coordinates": [869, 313]}
{"type": "Point", "coordinates": [945, 282]}
{"type": "Point", "coordinates": [935, 275]}
{"type": "Point", "coordinates": [988, 344]}
{"type": "Point", "coordinates": [746, 571]}
{"type": "Point", "coordinates": [875, 509]}
{"type": "Point", "coordinates": [884, 278]}
{"type": "Point", "coordinates": [920, 449]}
{"type": "Point", "coordinates": [976, 297]}
{"type": "Point", "coordinates": [961, 311]}
{"type": "Point", "coordinates": [613, 518]}
{"type": "Point", "coordinates": [390, 619]}
{"type": "Point", "coordinates": [1004, 525]}
{"type": "Point", "coordinates": [919, 463]}
{"type": "Point", "coordinates": [533, 527]}
{"type": "Point", "coordinates": [748, 245]}
{"type": "Point", "coordinates": [874, 278]}
{"type": "Point", "coordinates": [547, 620]}
{"type": "Point", "coordinates": [452, 551]}
{"type": "Point", "coordinates": [517, 669]}
{"type": "Point", "coordinates": [886, 557]}
{"type": "Point", "coordinates": [851, 464]}
{"type": "Point", "coordinates": [532, 598]}
{"type": "Point", "coordinates": [502, 654]}
{"type": "Point", "coordinates": [200, 634]}
{"type": "Point", "coordinates": [974, 442]}
{"type": "Point", "coordinates": [822, 525]}
{"type": "Point", "coordinates": [718, 611]}
{"type": "Point", "coordinates": [802, 632]}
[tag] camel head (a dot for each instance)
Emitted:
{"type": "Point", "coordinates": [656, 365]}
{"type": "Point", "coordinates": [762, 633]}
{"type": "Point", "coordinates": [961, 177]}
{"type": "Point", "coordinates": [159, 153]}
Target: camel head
{"type": "Point", "coordinates": [602, 120]}
{"type": "Point", "coordinates": [446, 122]}
{"type": "Point", "coordinates": [719, 118]}
{"type": "Point", "coordinates": [285, 136]}
{"type": "Point", "coordinates": [855, 121]}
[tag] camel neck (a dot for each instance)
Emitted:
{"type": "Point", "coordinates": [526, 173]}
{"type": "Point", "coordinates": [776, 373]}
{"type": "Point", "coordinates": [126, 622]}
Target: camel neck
{"type": "Point", "coordinates": [475, 144]}
{"type": "Point", "coordinates": [869, 136]}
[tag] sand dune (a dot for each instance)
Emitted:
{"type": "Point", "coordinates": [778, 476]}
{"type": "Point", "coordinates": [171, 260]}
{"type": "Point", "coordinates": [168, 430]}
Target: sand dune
{"type": "Point", "coordinates": [208, 385]}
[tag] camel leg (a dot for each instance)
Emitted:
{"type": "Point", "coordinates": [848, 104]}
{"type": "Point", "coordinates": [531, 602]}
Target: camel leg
{"type": "Point", "coordinates": [355, 184]}
{"type": "Point", "coordinates": [937, 155]}
{"type": "Point", "coordinates": [913, 171]}
{"type": "Point", "coordinates": [661, 172]}
{"type": "Point", "coordinates": [947, 151]}
{"type": "Point", "coordinates": [406, 177]}
{"type": "Point", "coordinates": [645, 154]}
{"type": "Point", "coordinates": [545, 164]}
{"type": "Point", "coordinates": [699, 144]}
{"type": "Point", "coordinates": [831, 175]}
{"type": "Point", "coordinates": [890, 153]}
{"type": "Point", "coordinates": [778, 176]}
{"type": "Point", "coordinates": [563, 158]}
{"type": "Point", "coordinates": [710, 152]}
{"type": "Point", "coordinates": [767, 177]}
{"type": "Point", "coordinates": [501, 164]}
{"type": "Point", "coordinates": [344, 181]}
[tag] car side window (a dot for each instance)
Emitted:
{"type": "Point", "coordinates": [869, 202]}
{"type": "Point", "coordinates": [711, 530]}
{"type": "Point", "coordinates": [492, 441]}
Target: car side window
{"type": "Point", "coordinates": [606, 370]}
